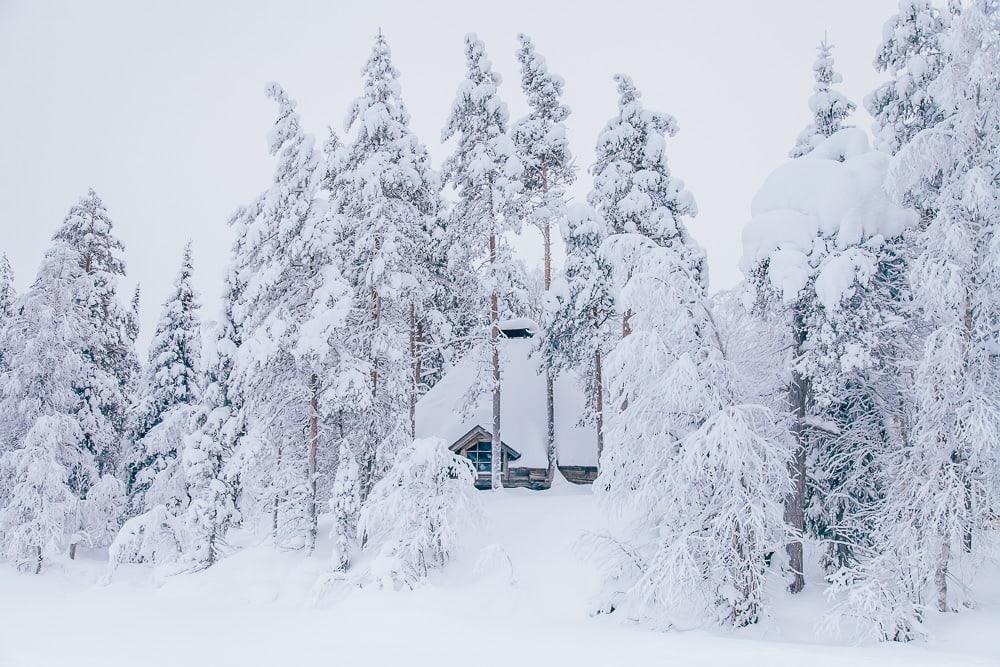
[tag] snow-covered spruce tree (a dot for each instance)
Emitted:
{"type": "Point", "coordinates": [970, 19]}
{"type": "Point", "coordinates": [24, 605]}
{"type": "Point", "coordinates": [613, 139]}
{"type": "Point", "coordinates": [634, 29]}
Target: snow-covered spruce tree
{"type": "Point", "coordinates": [44, 464]}
{"type": "Point", "coordinates": [109, 350]}
{"type": "Point", "coordinates": [540, 138]}
{"type": "Point", "coordinates": [634, 190]}
{"type": "Point", "coordinates": [485, 172]}
{"type": "Point", "coordinates": [578, 319]}
{"type": "Point", "coordinates": [820, 249]}
{"type": "Point", "coordinates": [8, 296]}
{"type": "Point", "coordinates": [911, 54]}
{"type": "Point", "coordinates": [414, 516]}
{"type": "Point", "coordinates": [385, 194]}
{"type": "Point", "coordinates": [345, 503]}
{"type": "Point", "coordinates": [944, 487]}
{"type": "Point", "coordinates": [294, 371]}
{"type": "Point", "coordinates": [218, 425]}
{"type": "Point", "coordinates": [170, 390]}
{"type": "Point", "coordinates": [7, 293]}
{"type": "Point", "coordinates": [829, 106]}
{"type": "Point", "coordinates": [694, 468]}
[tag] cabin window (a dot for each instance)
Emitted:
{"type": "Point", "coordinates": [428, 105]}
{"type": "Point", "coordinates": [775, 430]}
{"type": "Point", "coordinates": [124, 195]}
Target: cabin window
{"type": "Point", "coordinates": [481, 456]}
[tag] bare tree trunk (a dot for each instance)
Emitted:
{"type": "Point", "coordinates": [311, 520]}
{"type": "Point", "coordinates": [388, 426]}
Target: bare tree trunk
{"type": "Point", "coordinates": [795, 501]}
{"type": "Point", "coordinates": [72, 551]}
{"type": "Point", "coordinates": [38, 560]}
{"type": "Point", "coordinates": [313, 446]}
{"type": "Point", "coordinates": [599, 403]}
{"type": "Point", "coordinates": [496, 459]}
{"type": "Point", "coordinates": [941, 575]}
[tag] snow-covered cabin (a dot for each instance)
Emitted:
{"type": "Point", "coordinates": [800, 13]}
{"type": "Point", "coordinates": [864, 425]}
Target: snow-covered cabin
{"type": "Point", "coordinates": [459, 409]}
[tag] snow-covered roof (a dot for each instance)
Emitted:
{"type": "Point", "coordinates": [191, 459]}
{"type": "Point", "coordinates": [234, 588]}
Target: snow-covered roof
{"type": "Point", "coordinates": [448, 411]}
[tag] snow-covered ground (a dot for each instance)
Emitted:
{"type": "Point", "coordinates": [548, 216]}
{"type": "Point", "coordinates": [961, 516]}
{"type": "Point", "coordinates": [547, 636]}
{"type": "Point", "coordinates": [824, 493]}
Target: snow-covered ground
{"type": "Point", "coordinates": [258, 607]}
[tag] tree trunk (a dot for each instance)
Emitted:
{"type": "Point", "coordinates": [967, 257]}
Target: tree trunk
{"type": "Point", "coordinates": [795, 501]}
{"type": "Point", "coordinates": [38, 560]}
{"type": "Point", "coordinates": [415, 344]}
{"type": "Point", "coordinates": [274, 511]}
{"type": "Point", "coordinates": [72, 551]}
{"type": "Point", "coordinates": [599, 403]}
{"type": "Point", "coordinates": [550, 398]}
{"type": "Point", "coordinates": [941, 576]}
{"type": "Point", "coordinates": [496, 459]}
{"type": "Point", "coordinates": [313, 446]}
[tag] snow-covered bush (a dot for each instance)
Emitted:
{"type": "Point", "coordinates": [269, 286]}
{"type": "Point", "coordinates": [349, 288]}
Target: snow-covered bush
{"type": "Point", "coordinates": [41, 509]}
{"type": "Point", "coordinates": [155, 537]}
{"type": "Point", "coordinates": [414, 516]}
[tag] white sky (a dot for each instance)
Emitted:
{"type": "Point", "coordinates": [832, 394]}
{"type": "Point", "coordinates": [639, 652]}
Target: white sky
{"type": "Point", "coordinates": [160, 105]}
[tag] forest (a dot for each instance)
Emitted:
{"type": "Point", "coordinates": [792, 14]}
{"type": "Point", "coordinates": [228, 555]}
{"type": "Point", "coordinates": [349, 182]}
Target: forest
{"type": "Point", "coordinates": [837, 411]}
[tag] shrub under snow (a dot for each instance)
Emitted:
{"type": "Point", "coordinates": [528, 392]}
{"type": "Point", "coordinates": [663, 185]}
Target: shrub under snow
{"type": "Point", "coordinates": [414, 515]}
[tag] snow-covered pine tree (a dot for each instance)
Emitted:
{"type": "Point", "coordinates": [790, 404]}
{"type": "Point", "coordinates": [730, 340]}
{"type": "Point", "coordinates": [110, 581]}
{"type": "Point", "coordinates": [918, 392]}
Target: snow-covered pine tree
{"type": "Point", "coordinates": [8, 296]}
{"type": "Point", "coordinates": [485, 172]}
{"type": "Point", "coordinates": [578, 319]}
{"type": "Point", "coordinates": [294, 371]}
{"type": "Point", "coordinates": [133, 313]}
{"type": "Point", "coordinates": [694, 465]}
{"type": "Point", "coordinates": [634, 191]}
{"type": "Point", "coordinates": [109, 352]}
{"type": "Point", "coordinates": [345, 503]}
{"type": "Point", "coordinates": [943, 490]}
{"type": "Point", "coordinates": [911, 54]}
{"type": "Point", "coordinates": [7, 293]}
{"type": "Point", "coordinates": [829, 106]}
{"type": "Point", "coordinates": [45, 467]}
{"type": "Point", "coordinates": [838, 286]}
{"type": "Point", "coordinates": [385, 193]}
{"type": "Point", "coordinates": [540, 138]}
{"type": "Point", "coordinates": [170, 392]}
{"type": "Point", "coordinates": [217, 427]}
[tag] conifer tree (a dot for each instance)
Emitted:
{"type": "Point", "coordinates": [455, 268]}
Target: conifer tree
{"type": "Point", "coordinates": [634, 191]}
{"type": "Point", "coordinates": [542, 146]}
{"type": "Point", "coordinates": [578, 320]}
{"type": "Point", "coordinates": [45, 468]}
{"type": "Point", "coordinates": [694, 464]}
{"type": "Point", "coordinates": [207, 450]}
{"type": "Point", "coordinates": [485, 172]}
{"type": "Point", "coordinates": [294, 371]}
{"type": "Point", "coordinates": [911, 53]}
{"type": "Point", "coordinates": [170, 390]}
{"type": "Point", "coordinates": [829, 106]}
{"type": "Point", "coordinates": [941, 491]}
{"type": "Point", "coordinates": [385, 194]}
{"type": "Point", "coordinates": [7, 292]}
{"type": "Point", "coordinates": [109, 351]}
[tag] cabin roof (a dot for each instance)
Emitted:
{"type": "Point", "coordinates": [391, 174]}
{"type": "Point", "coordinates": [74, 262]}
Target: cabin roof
{"type": "Point", "coordinates": [457, 404]}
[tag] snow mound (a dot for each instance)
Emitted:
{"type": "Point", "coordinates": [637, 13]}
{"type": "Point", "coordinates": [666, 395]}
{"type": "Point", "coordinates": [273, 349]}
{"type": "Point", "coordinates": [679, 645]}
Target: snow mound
{"type": "Point", "coordinates": [820, 206]}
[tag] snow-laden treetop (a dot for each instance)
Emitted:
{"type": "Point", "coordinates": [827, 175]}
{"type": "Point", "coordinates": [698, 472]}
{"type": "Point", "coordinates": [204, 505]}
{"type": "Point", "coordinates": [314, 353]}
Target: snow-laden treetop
{"type": "Point", "coordinates": [816, 216]}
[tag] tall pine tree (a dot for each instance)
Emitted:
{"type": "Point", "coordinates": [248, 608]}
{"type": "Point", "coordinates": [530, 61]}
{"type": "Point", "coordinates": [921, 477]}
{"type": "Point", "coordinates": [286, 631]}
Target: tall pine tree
{"type": "Point", "coordinates": [485, 172]}
{"type": "Point", "coordinates": [542, 146]}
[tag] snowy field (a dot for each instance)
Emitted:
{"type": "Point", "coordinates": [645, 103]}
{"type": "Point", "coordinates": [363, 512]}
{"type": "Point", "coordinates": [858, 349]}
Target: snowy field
{"type": "Point", "coordinates": [258, 608]}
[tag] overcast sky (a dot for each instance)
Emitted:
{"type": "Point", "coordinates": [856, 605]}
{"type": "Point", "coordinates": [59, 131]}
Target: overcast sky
{"type": "Point", "coordinates": [160, 105]}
